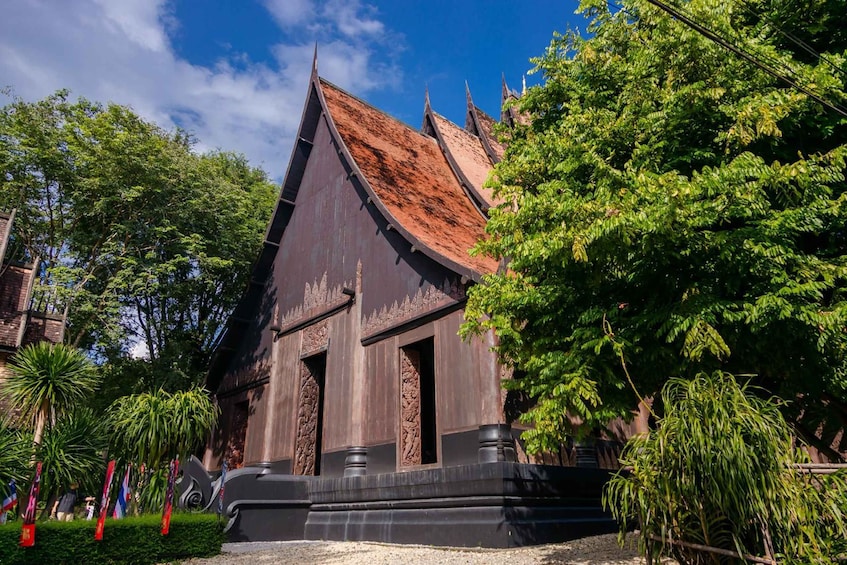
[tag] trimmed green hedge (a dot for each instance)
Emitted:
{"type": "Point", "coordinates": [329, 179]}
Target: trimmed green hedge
{"type": "Point", "coordinates": [131, 540]}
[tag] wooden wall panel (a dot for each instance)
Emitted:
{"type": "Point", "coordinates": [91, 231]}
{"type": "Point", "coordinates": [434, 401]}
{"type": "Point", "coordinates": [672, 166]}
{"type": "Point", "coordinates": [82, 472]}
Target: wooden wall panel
{"type": "Point", "coordinates": [381, 362]}
{"type": "Point", "coordinates": [467, 386]}
{"type": "Point", "coordinates": [339, 420]}
{"type": "Point", "coordinates": [257, 407]}
{"type": "Point", "coordinates": [279, 430]}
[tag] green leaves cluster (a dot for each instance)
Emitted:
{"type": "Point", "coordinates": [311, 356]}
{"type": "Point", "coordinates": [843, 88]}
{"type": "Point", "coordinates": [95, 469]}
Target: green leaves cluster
{"type": "Point", "coordinates": [719, 471]}
{"type": "Point", "coordinates": [138, 237]}
{"type": "Point", "coordinates": [154, 427]}
{"type": "Point", "coordinates": [670, 205]}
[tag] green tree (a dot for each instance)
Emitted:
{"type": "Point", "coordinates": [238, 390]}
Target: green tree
{"type": "Point", "coordinates": [141, 239]}
{"type": "Point", "coordinates": [670, 205]}
{"type": "Point", "coordinates": [46, 381]}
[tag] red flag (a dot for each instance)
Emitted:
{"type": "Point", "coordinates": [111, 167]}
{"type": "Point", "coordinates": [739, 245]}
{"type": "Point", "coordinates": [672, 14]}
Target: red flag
{"type": "Point", "coordinates": [28, 529]}
{"type": "Point", "coordinates": [104, 501]}
{"type": "Point", "coordinates": [173, 469]}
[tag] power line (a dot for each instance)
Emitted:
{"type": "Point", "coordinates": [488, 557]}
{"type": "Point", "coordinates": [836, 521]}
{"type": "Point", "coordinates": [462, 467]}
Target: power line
{"type": "Point", "coordinates": [793, 38]}
{"type": "Point", "coordinates": [702, 30]}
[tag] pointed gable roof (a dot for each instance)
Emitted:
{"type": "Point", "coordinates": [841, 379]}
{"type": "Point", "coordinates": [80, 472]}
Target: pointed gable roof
{"type": "Point", "coordinates": [411, 182]}
{"type": "Point", "coordinates": [466, 155]}
{"type": "Point", "coordinates": [482, 125]}
{"type": "Point", "coordinates": [510, 114]}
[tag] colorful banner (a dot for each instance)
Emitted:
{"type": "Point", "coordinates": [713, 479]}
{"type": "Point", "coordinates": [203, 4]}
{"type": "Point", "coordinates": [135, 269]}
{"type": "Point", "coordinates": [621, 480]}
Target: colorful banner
{"type": "Point", "coordinates": [9, 502]}
{"type": "Point", "coordinates": [221, 492]}
{"type": "Point", "coordinates": [122, 502]}
{"type": "Point", "coordinates": [104, 502]}
{"type": "Point", "coordinates": [28, 529]}
{"type": "Point", "coordinates": [173, 469]}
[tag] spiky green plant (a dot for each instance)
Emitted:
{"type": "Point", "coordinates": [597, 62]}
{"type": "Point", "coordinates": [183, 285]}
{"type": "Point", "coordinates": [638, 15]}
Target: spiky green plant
{"type": "Point", "coordinates": [718, 471]}
{"type": "Point", "coordinates": [72, 452]}
{"type": "Point", "coordinates": [14, 456]}
{"type": "Point", "coordinates": [154, 427]}
{"type": "Point", "coordinates": [45, 381]}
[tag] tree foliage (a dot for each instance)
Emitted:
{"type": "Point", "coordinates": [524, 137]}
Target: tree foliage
{"type": "Point", "coordinates": [670, 205]}
{"type": "Point", "coordinates": [719, 471]}
{"type": "Point", "coordinates": [141, 239]}
{"type": "Point", "coordinates": [45, 382]}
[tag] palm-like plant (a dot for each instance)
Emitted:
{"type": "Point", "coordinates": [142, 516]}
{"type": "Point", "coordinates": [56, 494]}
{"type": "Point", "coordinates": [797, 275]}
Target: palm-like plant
{"type": "Point", "coordinates": [46, 381]}
{"type": "Point", "coordinates": [72, 452]}
{"type": "Point", "coordinates": [719, 471]}
{"type": "Point", "coordinates": [154, 427]}
{"type": "Point", "coordinates": [14, 456]}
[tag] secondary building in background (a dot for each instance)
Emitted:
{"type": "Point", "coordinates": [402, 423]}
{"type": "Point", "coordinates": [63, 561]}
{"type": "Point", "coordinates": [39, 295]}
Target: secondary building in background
{"type": "Point", "coordinates": [350, 407]}
{"type": "Point", "coordinates": [21, 320]}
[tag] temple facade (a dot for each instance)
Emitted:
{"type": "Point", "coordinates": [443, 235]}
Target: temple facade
{"type": "Point", "coordinates": [350, 407]}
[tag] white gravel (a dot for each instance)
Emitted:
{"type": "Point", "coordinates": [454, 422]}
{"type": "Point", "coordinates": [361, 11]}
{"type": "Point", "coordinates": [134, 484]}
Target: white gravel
{"type": "Point", "coordinates": [597, 550]}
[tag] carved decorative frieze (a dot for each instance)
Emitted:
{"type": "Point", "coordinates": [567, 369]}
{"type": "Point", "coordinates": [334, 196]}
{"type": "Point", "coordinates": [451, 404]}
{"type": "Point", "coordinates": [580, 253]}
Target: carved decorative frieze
{"type": "Point", "coordinates": [317, 298]}
{"type": "Point", "coordinates": [410, 407]}
{"type": "Point", "coordinates": [254, 374]}
{"type": "Point", "coordinates": [315, 338]}
{"type": "Point", "coordinates": [308, 407]}
{"type": "Point", "coordinates": [435, 297]}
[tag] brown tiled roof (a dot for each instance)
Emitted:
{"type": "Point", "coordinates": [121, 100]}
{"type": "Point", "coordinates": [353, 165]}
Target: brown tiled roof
{"type": "Point", "coordinates": [14, 297]}
{"type": "Point", "coordinates": [486, 123]}
{"type": "Point", "coordinates": [469, 154]}
{"type": "Point", "coordinates": [411, 178]}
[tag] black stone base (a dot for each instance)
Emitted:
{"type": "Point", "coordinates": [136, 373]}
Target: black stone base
{"type": "Point", "coordinates": [498, 504]}
{"type": "Point", "coordinates": [469, 526]}
{"type": "Point", "coordinates": [264, 506]}
{"type": "Point", "coordinates": [481, 505]}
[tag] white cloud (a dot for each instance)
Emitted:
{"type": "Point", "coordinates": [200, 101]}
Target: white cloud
{"type": "Point", "coordinates": [290, 12]}
{"type": "Point", "coordinates": [352, 18]}
{"type": "Point", "coordinates": [121, 52]}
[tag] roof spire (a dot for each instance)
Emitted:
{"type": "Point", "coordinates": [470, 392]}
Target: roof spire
{"type": "Point", "coordinates": [315, 60]}
{"type": "Point", "coordinates": [524, 86]}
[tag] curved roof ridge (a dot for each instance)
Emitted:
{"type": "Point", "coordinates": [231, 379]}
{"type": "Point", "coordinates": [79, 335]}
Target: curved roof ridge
{"type": "Point", "coordinates": [466, 154]}
{"type": "Point", "coordinates": [482, 128]}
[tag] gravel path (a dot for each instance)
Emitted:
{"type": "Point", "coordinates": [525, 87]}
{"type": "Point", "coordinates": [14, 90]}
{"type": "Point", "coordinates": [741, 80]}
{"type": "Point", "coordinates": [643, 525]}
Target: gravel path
{"type": "Point", "coordinates": [597, 550]}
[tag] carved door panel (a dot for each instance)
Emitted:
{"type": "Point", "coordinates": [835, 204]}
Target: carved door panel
{"type": "Point", "coordinates": [307, 449]}
{"type": "Point", "coordinates": [237, 435]}
{"type": "Point", "coordinates": [410, 407]}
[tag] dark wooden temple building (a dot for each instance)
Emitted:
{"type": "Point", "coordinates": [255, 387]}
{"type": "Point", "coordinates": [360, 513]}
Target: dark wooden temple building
{"type": "Point", "coordinates": [21, 322]}
{"type": "Point", "coordinates": [350, 407]}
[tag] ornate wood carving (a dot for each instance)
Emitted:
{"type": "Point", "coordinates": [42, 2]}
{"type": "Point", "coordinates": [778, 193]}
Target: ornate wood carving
{"type": "Point", "coordinates": [315, 338]}
{"type": "Point", "coordinates": [317, 298]}
{"type": "Point", "coordinates": [410, 407]}
{"type": "Point", "coordinates": [436, 296]}
{"type": "Point", "coordinates": [237, 435]}
{"type": "Point", "coordinates": [308, 406]}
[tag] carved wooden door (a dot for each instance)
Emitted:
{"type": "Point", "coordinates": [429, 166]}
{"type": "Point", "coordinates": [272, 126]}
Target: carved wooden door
{"type": "Point", "coordinates": [307, 449]}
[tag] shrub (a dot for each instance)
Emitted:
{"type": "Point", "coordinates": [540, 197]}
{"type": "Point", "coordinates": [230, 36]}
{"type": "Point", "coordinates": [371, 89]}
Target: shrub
{"type": "Point", "coordinates": [132, 540]}
{"type": "Point", "coordinates": [718, 471]}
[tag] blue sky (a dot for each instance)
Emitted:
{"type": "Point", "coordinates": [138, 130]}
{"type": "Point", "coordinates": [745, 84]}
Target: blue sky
{"type": "Point", "coordinates": [235, 73]}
